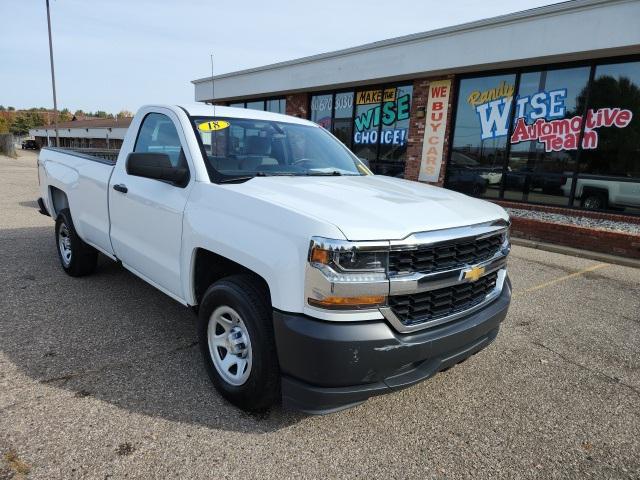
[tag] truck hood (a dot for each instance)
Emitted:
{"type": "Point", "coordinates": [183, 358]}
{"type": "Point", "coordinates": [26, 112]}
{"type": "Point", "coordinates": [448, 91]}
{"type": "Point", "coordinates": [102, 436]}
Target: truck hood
{"type": "Point", "coordinates": [373, 207]}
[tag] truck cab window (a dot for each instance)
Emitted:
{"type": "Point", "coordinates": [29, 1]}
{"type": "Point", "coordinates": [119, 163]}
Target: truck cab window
{"type": "Point", "coordinates": [158, 134]}
{"type": "Point", "coordinates": [247, 147]}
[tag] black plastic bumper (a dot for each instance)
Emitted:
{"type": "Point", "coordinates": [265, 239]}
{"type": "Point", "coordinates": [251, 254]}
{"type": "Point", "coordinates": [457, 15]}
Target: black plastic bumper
{"type": "Point", "coordinates": [42, 208]}
{"type": "Point", "coordinates": [328, 366]}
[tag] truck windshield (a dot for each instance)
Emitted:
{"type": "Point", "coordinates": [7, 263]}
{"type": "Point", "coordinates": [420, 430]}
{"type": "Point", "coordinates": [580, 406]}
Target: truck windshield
{"type": "Point", "coordinates": [243, 148]}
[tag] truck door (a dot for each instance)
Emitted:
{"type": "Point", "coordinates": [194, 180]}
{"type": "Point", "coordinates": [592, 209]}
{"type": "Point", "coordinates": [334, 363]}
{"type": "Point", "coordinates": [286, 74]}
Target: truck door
{"type": "Point", "coordinates": [146, 214]}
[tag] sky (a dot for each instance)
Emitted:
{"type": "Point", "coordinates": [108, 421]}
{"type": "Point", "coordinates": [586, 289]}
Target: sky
{"type": "Point", "coordinates": [117, 55]}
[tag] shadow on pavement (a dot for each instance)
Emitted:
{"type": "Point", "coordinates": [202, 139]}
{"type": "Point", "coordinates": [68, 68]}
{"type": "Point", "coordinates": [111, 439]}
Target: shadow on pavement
{"type": "Point", "coordinates": [29, 204]}
{"type": "Point", "coordinates": [109, 336]}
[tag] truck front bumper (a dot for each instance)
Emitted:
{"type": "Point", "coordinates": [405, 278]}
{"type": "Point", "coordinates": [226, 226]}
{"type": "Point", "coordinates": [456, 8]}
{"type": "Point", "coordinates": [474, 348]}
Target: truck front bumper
{"type": "Point", "coordinates": [329, 366]}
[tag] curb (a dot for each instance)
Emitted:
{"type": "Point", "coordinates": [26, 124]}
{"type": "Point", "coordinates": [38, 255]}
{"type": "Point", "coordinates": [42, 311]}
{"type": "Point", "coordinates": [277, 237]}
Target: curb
{"type": "Point", "coordinates": [576, 252]}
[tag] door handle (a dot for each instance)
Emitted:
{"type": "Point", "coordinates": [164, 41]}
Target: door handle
{"type": "Point", "coordinates": [120, 187]}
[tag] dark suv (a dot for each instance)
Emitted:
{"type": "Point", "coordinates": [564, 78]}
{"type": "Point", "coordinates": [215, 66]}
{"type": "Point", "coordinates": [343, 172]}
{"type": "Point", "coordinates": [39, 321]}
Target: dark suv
{"type": "Point", "coordinates": [30, 145]}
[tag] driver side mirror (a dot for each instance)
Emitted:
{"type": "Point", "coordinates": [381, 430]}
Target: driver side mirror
{"type": "Point", "coordinates": [157, 166]}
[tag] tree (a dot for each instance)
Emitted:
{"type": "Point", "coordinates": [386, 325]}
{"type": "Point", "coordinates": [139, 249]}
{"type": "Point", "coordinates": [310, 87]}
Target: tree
{"type": "Point", "coordinates": [101, 114]}
{"type": "Point", "coordinates": [11, 109]}
{"type": "Point", "coordinates": [24, 122]}
{"type": "Point", "coordinates": [124, 114]}
{"type": "Point", "coordinates": [79, 113]}
{"type": "Point", "coordinates": [617, 152]}
{"type": "Point", "coordinates": [20, 125]}
{"type": "Point", "coordinates": [2, 108]}
{"type": "Point", "coordinates": [65, 115]}
{"type": "Point", "coordinates": [4, 125]}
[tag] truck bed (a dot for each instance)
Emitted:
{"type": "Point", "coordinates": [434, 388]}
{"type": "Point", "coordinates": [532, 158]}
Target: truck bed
{"type": "Point", "coordinates": [83, 175]}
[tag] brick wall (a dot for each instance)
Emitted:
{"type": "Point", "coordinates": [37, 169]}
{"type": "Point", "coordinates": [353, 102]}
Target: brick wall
{"type": "Point", "coordinates": [298, 105]}
{"type": "Point", "coordinates": [417, 125]}
{"type": "Point", "coordinates": [604, 241]}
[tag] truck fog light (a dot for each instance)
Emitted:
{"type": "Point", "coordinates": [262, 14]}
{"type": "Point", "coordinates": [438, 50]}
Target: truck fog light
{"type": "Point", "coordinates": [338, 303]}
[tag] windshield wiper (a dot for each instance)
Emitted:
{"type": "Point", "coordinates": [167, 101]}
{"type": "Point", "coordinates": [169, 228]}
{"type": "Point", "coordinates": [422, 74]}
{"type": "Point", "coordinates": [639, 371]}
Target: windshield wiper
{"type": "Point", "coordinates": [241, 178]}
{"type": "Point", "coordinates": [244, 178]}
{"type": "Point", "coordinates": [335, 173]}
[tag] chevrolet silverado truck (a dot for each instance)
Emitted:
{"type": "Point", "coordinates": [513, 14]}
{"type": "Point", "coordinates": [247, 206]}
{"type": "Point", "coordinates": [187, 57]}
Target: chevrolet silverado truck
{"type": "Point", "coordinates": [316, 283]}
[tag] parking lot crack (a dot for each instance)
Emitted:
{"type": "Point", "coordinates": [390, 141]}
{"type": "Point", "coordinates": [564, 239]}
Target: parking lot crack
{"type": "Point", "coordinates": [591, 370]}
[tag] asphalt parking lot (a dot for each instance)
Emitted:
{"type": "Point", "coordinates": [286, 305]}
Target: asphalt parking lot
{"type": "Point", "coordinates": [101, 377]}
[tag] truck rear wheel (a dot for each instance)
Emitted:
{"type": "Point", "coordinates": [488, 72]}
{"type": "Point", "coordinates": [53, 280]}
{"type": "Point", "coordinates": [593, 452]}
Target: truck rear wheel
{"type": "Point", "coordinates": [76, 257]}
{"type": "Point", "coordinates": [594, 201]}
{"type": "Point", "coordinates": [236, 340]}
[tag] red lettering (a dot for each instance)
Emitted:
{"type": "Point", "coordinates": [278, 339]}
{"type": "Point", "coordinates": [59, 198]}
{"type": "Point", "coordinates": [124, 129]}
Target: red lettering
{"type": "Point", "coordinates": [520, 133]}
{"type": "Point", "coordinates": [590, 140]}
{"type": "Point", "coordinates": [624, 118]}
{"type": "Point", "coordinates": [436, 116]}
{"type": "Point", "coordinates": [438, 92]}
{"type": "Point", "coordinates": [571, 141]}
{"type": "Point", "coordinates": [437, 106]}
{"type": "Point", "coordinates": [435, 126]}
{"type": "Point", "coordinates": [576, 123]}
{"type": "Point", "coordinates": [610, 115]}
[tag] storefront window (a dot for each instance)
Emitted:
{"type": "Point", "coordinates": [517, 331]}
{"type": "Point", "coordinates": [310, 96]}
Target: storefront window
{"type": "Point", "coordinates": [395, 125]}
{"type": "Point", "coordinates": [258, 105]}
{"type": "Point", "coordinates": [539, 163]}
{"type": "Point", "coordinates": [343, 117]}
{"type": "Point", "coordinates": [381, 125]}
{"type": "Point", "coordinates": [334, 111]}
{"type": "Point", "coordinates": [321, 108]}
{"type": "Point", "coordinates": [480, 135]}
{"type": "Point", "coordinates": [614, 114]}
{"type": "Point", "coordinates": [367, 122]}
{"type": "Point", "coordinates": [614, 120]}
{"type": "Point", "coordinates": [277, 105]}
{"type": "Point", "coordinates": [526, 145]}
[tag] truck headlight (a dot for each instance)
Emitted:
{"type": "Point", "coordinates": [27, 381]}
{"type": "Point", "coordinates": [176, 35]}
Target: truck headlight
{"type": "Point", "coordinates": [347, 275]}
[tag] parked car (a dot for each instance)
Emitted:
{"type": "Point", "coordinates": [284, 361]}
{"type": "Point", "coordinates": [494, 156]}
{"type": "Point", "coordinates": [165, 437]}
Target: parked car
{"type": "Point", "coordinates": [526, 179]}
{"type": "Point", "coordinates": [466, 180]}
{"type": "Point", "coordinates": [601, 193]}
{"type": "Point", "coordinates": [30, 145]}
{"type": "Point", "coordinates": [315, 282]}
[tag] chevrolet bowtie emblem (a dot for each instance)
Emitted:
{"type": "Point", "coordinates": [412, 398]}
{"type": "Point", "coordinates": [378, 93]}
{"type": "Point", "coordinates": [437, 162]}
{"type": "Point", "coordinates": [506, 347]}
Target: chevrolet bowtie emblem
{"type": "Point", "coordinates": [474, 274]}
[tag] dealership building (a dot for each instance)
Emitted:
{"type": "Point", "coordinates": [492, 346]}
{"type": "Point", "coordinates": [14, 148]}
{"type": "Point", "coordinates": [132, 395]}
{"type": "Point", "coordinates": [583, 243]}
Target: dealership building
{"type": "Point", "coordinates": [537, 110]}
{"type": "Point", "coordinates": [95, 133]}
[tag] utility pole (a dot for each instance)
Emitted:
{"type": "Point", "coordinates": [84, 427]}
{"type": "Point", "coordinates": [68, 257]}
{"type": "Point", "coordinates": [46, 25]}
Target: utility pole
{"type": "Point", "coordinates": [53, 80]}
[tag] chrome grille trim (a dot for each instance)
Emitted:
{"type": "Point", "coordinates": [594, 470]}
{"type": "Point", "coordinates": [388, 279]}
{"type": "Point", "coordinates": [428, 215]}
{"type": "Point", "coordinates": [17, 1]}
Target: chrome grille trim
{"type": "Point", "coordinates": [388, 313]}
{"type": "Point", "coordinates": [422, 282]}
{"type": "Point", "coordinates": [459, 234]}
{"type": "Point", "coordinates": [416, 282]}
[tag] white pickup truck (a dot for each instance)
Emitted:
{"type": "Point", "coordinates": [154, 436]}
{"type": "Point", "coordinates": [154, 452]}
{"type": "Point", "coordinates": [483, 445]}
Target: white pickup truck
{"type": "Point", "coordinates": [316, 282]}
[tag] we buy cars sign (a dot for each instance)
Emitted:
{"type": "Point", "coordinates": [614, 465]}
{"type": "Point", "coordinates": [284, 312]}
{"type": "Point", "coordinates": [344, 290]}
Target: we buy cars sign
{"type": "Point", "coordinates": [434, 129]}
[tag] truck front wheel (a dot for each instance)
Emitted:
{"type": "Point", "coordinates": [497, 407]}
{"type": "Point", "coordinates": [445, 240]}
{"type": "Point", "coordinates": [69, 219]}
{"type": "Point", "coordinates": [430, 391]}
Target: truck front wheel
{"type": "Point", "coordinates": [76, 257]}
{"type": "Point", "coordinates": [236, 339]}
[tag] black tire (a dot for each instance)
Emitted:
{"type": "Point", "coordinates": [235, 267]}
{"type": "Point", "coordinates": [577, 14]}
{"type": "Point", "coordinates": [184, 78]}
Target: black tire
{"type": "Point", "coordinates": [247, 296]}
{"type": "Point", "coordinates": [83, 257]}
{"type": "Point", "coordinates": [594, 201]}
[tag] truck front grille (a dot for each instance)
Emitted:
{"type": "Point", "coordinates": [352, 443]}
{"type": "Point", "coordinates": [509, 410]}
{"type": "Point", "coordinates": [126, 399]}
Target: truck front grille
{"type": "Point", "coordinates": [435, 304]}
{"type": "Point", "coordinates": [447, 256]}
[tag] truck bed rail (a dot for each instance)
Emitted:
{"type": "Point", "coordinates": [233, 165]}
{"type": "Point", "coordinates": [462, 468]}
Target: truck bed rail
{"type": "Point", "coordinates": [105, 155]}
